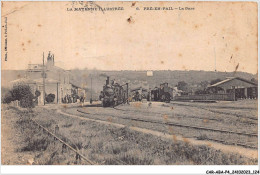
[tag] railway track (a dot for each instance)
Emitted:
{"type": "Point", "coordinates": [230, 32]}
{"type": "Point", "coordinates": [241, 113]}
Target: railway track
{"type": "Point", "coordinates": [187, 126]}
{"type": "Point", "coordinates": [79, 156]}
{"type": "Point", "coordinates": [217, 107]}
{"type": "Point", "coordinates": [179, 125]}
{"type": "Point", "coordinates": [169, 114]}
{"type": "Point", "coordinates": [254, 122]}
{"type": "Point", "coordinates": [214, 111]}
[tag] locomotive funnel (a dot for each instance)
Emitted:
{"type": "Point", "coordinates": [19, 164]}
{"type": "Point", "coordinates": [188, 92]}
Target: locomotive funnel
{"type": "Point", "coordinates": [107, 81]}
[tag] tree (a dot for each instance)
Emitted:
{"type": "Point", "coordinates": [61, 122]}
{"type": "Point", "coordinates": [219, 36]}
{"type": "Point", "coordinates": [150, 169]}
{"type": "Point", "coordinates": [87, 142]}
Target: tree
{"type": "Point", "coordinates": [50, 98]}
{"type": "Point", "coordinates": [21, 93]}
{"type": "Point", "coordinates": [8, 98]}
{"type": "Point", "coordinates": [202, 88]}
{"type": "Point", "coordinates": [215, 81]}
{"type": "Point", "coordinates": [27, 101]}
{"type": "Point", "coordinates": [197, 92]}
{"type": "Point", "coordinates": [182, 85]}
{"type": "Point", "coordinates": [37, 93]}
{"type": "Point", "coordinates": [254, 80]}
{"type": "Point", "coordinates": [204, 84]}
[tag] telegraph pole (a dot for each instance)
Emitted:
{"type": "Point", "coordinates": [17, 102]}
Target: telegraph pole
{"type": "Point", "coordinates": [43, 79]}
{"type": "Point", "coordinates": [127, 93]}
{"type": "Point", "coordinates": [215, 60]}
{"type": "Point", "coordinates": [91, 89]}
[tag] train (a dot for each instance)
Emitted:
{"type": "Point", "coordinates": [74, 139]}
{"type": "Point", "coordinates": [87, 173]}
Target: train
{"type": "Point", "coordinates": [163, 94]}
{"type": "Point", "coordinates": [138, 94]}
{"type": "Point", "coordinates": [113, 94]}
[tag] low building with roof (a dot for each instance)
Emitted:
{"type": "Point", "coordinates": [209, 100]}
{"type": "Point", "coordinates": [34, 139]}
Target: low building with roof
{"type": "Point", "coordinates": [243, 88]}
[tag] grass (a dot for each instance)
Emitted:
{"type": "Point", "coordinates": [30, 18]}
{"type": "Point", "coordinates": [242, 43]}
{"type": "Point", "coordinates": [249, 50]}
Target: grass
{"type": "Point", "coordinates": [33, 141]}
{"type": "Point", "coordinates": [111, 146]}
{"type": "Point", "coordinates": [106, 145]}
{"type": "Point", "coordinates": [67, 125]}
{"type": "Point", "coordinates": [203, 137]}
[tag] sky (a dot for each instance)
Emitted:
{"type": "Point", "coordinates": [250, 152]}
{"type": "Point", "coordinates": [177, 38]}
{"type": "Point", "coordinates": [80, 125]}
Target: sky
{"type": "Point", "coordinates": [215, 35]}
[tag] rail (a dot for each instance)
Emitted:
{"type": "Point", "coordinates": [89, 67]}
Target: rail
{"type": "Point", "coordinates": [217, 97]}
{"type": "Point", "coordinates": [181, 125]}
{"type": "Point", "coordinates": [78, 155]}
{"type": "Point", "coordinates": [194, 127]}
{"type": "Point", "coordinates": [64, 144]}
{"type": "Point", "coordinates": [210, 109]}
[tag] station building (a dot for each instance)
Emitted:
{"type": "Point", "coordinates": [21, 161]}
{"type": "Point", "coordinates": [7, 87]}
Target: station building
{"type": "Point", "coordinates": [57, 81]}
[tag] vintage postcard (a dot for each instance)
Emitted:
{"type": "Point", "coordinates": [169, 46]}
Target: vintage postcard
{"type": "Point", "coordinates": [129, 83]}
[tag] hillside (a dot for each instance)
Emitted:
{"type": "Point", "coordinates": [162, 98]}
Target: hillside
{"type": "Point", "coordinates": [135, 78]}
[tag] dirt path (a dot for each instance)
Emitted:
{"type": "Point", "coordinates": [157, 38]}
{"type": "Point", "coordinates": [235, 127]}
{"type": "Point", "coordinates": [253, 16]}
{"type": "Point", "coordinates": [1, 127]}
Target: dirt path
{"type": "Point", "coordinates": [7, 148]}
{"type": "Point", "coordinates": [250, 153]}
{"type": "Point", "coordinates": [12, 141]}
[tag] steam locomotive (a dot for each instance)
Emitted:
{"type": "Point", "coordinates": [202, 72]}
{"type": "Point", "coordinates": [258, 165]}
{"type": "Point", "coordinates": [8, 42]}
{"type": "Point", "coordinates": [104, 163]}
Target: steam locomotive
{"type": "Point", "coordinates": [113, 94]}
{"type": "Point", "coordinates": [164, 93]}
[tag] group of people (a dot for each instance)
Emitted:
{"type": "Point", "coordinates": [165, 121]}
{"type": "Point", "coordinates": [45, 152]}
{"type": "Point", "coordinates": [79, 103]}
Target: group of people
{"type": "Point", "coordinates": [72, 99]}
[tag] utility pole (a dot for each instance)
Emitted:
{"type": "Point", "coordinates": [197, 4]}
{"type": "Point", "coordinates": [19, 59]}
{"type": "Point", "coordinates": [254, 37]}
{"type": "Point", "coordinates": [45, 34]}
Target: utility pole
{"type": "Point", "coordinates": [215, 60]}
{"type": "Point", "coordinates": [91, 89]}
{"type": "Point", "coordinates": [127, 98]}
{"type": "Point", "coordinates": [43, 79]}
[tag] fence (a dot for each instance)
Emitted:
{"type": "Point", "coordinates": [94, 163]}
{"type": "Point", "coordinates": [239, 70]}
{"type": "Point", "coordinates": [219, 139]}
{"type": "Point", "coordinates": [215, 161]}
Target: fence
{"type": "Point", "coordinates": [64, 144]}
{"type": "Point", "coordinates": [15, 103]}
{"type": "Point", "coordinates": [205, 97]}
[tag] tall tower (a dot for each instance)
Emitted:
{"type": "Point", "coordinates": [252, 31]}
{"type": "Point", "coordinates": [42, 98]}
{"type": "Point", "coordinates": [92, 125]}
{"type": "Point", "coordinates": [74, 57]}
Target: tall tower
{"type": "Point", "coordinates": [50, 59]}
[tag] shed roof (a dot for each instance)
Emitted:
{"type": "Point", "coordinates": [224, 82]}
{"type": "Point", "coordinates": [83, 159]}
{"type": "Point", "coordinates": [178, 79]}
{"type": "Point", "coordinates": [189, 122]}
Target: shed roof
{"type": "Point", "coordinates": [232, 78]}
{"type": "Point", "coordinates": [75, 85]}
{"type": "Point", "coordinates": [47, 81]}
{"type": "Point", "coordinates": [23, 81]}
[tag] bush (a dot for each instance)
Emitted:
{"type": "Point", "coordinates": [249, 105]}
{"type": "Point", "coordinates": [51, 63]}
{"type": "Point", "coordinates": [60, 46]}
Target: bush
{"type": "Point", "coordinates": [27, 101]}
{"type": "Point", "coordinates": [37, 93]}
{"type": "Point", "coordinates": [198, 92]}
{"type": "Point", "coordinates": [8, 97]}
{"type": "Point", "coordinates": [215, 81]}
{"type": "Point", "coordinates": [21, 93]}
{"type": "Point", "coordinates": [50, 98]}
